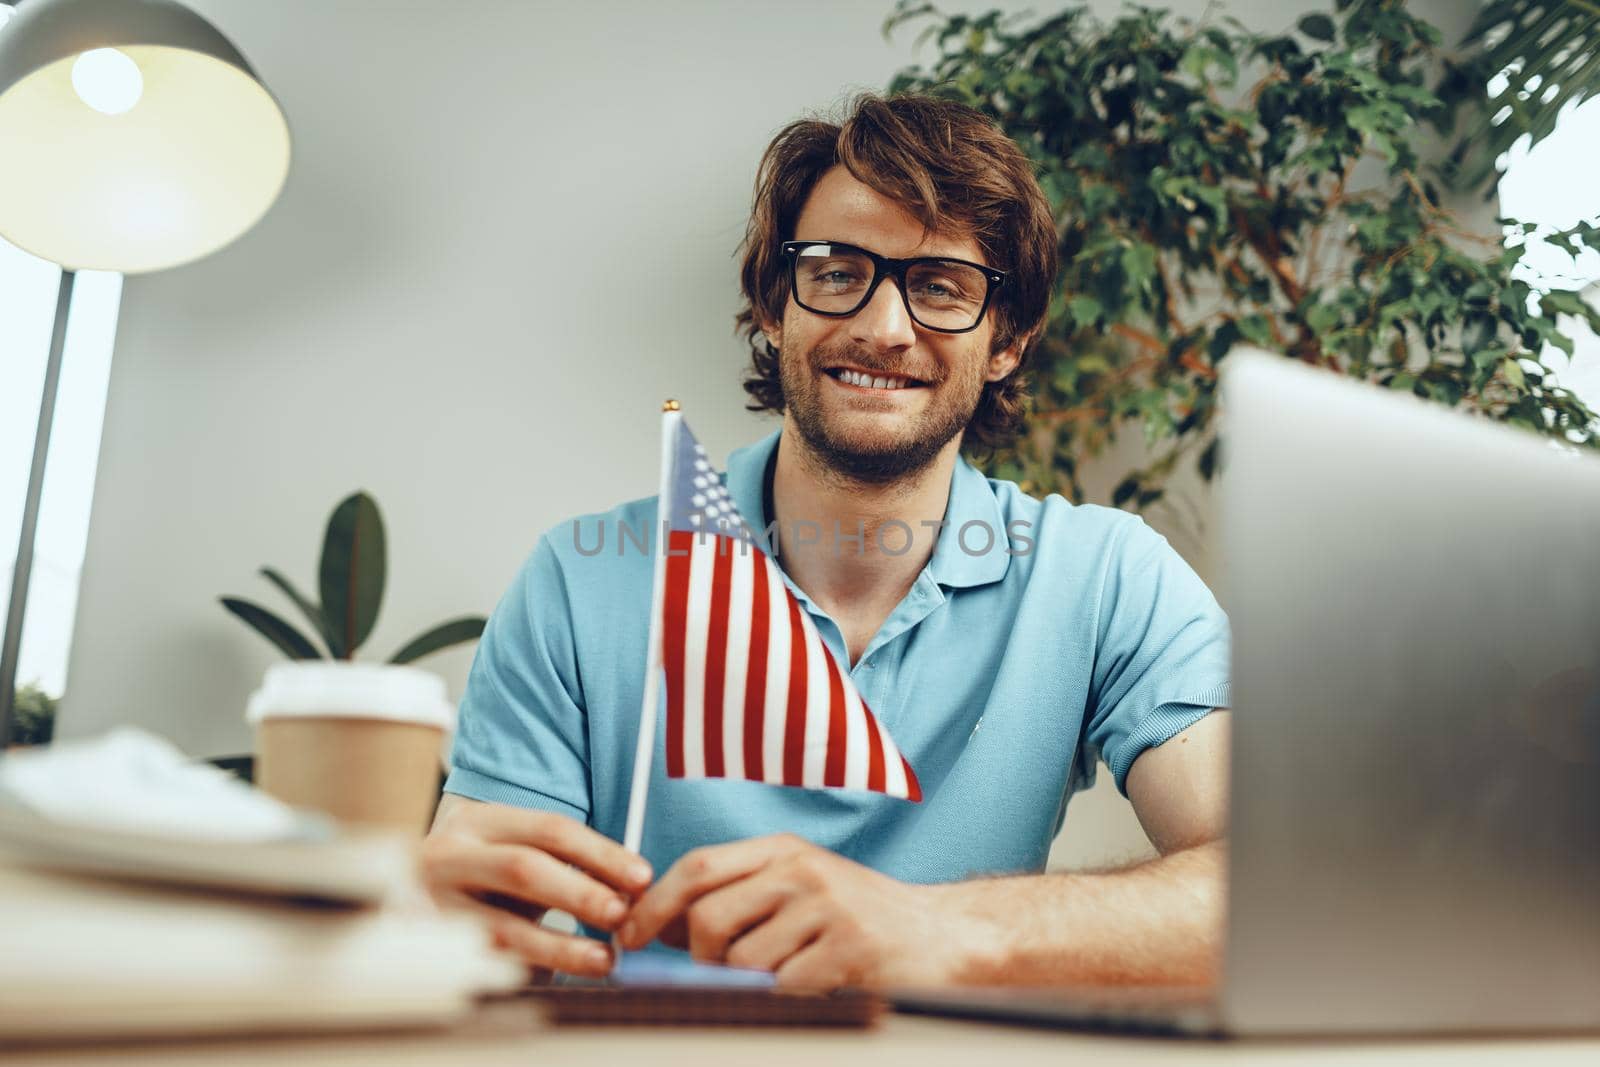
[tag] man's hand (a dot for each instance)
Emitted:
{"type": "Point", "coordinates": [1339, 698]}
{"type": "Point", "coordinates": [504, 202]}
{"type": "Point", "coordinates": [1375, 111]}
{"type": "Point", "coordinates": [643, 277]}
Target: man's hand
{"type": "Point", "coordinates": [510, 865]}
{"type": "Point", "coordinates": [817, 919]}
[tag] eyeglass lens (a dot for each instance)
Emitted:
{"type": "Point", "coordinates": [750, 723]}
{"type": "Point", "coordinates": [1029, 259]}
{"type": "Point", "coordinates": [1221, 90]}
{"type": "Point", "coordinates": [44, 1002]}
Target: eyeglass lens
{"type": "Point", "coordinates": [833, 279]}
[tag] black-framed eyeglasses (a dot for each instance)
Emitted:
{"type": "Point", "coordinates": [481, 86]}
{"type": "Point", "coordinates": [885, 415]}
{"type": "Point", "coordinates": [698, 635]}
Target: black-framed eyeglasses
{"type": "Point", "coordinates": [837, 280]}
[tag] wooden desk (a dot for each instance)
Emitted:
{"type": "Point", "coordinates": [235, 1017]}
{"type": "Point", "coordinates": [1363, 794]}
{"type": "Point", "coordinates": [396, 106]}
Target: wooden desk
{"type": "Point", "coordinates": [510, 1034]}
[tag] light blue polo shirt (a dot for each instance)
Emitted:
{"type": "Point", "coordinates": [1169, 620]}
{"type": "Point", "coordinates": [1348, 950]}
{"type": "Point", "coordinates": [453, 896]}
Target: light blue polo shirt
{"type": "Point", "coordinates": [1003, 675]}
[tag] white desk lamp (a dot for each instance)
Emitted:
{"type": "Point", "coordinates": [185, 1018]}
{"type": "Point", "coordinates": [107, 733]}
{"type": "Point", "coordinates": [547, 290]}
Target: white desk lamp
{"type": "Point", "coordinates": [135, 137]}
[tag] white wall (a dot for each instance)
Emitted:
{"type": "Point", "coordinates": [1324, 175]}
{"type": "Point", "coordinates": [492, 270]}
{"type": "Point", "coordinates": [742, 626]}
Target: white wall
{"type": "Point", "coordinates": [448, 308]}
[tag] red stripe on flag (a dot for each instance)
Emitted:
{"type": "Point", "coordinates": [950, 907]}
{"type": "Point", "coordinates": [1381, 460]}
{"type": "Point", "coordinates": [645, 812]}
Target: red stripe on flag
{"type": "Point", "coordinates": [794, 731]}
{"type": "Point", "coordinates": [675, 624]}
{"type": "Point", "coordinates": [875, 767]}
{"type": "Point", "coordinates": [913, 787]}
{"type": "Point", "coordinates": [717, 654]}
{"type": "Point", "coordinates": [755, 684]}
{"type": "Point", "coordinates": [833, 771]}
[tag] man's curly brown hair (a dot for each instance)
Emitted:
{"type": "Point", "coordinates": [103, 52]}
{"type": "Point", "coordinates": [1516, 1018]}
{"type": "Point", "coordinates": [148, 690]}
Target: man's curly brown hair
{"type": "Point", "coordinates": [953, 170]}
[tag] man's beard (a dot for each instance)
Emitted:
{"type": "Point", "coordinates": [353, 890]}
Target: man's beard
{"type": "Point", "coordinates": [889, 458]}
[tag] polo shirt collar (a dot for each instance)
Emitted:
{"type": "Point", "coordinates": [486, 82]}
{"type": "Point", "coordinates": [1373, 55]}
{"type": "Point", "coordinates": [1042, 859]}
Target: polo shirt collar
{"type": "Point", "coordinates": [972, 499]}
{"type": "Point", "coordinates": [746, 481]}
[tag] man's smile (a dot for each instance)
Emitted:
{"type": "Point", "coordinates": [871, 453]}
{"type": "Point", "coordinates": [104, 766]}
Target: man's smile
{"type": "Point", "coordinates": [856, 379]}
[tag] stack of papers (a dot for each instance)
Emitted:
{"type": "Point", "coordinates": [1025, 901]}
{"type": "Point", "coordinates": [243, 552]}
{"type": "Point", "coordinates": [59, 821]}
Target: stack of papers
{"type": "Point", "coordinates": [122, 915]}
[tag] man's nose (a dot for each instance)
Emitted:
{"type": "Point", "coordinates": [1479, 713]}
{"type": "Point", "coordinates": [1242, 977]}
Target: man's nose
{"type": "Point", "coordinates": [885, 321]}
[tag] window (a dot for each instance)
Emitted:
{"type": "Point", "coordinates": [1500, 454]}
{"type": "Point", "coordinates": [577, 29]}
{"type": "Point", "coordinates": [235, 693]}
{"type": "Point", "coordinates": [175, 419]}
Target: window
{"type": "Point", "coordinates": [1553, 185]}
{"type": "Point", "coordinates": [28, 287]}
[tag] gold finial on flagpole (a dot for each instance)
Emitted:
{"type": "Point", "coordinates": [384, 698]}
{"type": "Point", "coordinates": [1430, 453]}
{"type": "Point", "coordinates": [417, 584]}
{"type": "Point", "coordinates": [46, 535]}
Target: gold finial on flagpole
{"type": "Point", "coordinates": [669, 405]}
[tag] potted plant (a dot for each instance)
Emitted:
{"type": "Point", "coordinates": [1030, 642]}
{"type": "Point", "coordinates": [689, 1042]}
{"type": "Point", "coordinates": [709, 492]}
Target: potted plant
{"type": "Point", "coordinates": [1215, 185]}
{"type": "Point", "coordinates": [35, 716]}
{"type": "Point", "coordinates": [351, 578]}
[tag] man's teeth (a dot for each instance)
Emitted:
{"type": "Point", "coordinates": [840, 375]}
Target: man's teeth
{"type": "Point", "coordinates": [869, 382]}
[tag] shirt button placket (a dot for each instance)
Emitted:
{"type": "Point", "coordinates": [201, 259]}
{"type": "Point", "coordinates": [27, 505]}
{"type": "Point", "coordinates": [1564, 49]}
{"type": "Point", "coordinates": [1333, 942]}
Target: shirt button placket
{"type": "Point", "coordinates": [864, 680]}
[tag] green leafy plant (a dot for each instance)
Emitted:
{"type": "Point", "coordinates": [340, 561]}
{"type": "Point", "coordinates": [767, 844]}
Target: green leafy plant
{"type": "Point", "coordinates": [351, 580]}
{"type": "Point", "coordinates": [35, 716]}
{"type": "Point", "coordinates": [1214, 185]}
{"type": "Point", "coordinates": [1528, 61]}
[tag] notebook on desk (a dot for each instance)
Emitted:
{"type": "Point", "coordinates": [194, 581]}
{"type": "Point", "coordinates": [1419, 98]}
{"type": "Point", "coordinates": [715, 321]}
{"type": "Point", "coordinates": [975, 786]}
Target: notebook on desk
{"type": "Point", "coordinates": [1414, 841]}
{"type": "Point", "coordinates": [350, 867]}
{"type": "Point", "coordinates": [655, 987]}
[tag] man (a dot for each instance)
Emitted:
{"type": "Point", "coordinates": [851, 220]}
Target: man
{"type": "Point", "coordinates": [896, 269]}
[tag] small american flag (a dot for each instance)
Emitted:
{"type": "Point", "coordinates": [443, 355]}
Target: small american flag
{"type": "Point", "coordinates": [752, 691]}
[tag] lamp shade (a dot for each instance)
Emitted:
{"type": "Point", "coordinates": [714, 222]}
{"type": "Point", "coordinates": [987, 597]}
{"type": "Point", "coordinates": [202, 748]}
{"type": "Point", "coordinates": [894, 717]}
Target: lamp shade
{"type": "Point", "coordinates": [134, 136]}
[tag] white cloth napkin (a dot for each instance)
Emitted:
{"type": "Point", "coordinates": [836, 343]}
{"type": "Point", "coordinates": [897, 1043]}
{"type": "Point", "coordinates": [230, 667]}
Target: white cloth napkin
{"type": "Point", "coordinates": [133, 781]}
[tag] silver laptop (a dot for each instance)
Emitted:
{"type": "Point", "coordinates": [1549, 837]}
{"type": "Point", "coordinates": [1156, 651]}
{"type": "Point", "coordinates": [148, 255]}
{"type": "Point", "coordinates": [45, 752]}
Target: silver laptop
{"type": "Point", "coordinates": [1415, 815]}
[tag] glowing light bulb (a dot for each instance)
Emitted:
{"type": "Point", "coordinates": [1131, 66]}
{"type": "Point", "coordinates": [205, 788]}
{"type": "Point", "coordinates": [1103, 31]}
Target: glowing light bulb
{"type": "Point", "coordinates": [107, 80]}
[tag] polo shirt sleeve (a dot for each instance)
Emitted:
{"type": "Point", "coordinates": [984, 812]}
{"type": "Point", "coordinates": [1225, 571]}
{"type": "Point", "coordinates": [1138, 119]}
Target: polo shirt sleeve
{"type": "Point", "coordinates": [522, 737]}
{"type": "Point", "coordinates": [1162, 660]}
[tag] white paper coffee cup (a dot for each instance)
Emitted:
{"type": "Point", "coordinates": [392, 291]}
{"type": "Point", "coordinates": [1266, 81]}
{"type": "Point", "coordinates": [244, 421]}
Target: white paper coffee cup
{"type": "Point", "coordinates": [361, 742]}
{"type": "Point", "coordinates": [356, 690]}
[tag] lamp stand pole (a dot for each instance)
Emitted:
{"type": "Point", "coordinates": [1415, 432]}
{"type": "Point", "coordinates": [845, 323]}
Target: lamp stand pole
{"type": "Point", "coordinates": [30, 514]}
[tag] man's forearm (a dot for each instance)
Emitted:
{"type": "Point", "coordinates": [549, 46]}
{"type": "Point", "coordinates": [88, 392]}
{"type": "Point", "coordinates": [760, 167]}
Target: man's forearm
{"type": "Point", "coordinates": [1158, 922]}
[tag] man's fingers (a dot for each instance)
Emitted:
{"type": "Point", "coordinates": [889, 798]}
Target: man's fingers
{"type": "Point", "coordinates": [540, 947]}
{"type": "Point", "coordinates": [531, 875]}
{"type": "Point", "coordinates": [676, 933]}
{"type": "Point", "coordinates": [570, 840]}
{"type": "Point", "coordinates": [569, 953]}
{"type": "Point", "coordinates": [770, 944]}
{"type": "Point", "coordinates": [814, 969]}
{"type": "Point", "coordinates": [692, 877]}
{"type": "Point", "coordinates": [719, 917]}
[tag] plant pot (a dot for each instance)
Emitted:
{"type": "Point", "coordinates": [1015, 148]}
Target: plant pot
{"type": "Point", "coordinates": [362, 742]}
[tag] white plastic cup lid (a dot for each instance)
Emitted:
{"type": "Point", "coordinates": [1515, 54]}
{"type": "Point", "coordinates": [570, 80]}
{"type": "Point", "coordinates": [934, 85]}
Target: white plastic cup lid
{"type": "Point", "coordinates": [305, 689]}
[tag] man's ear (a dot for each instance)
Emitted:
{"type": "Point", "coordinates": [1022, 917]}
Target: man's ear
{"type": "Point", "coordinates": [772, 331]}
{"type": "Point", "coordinates": [1003, 362]}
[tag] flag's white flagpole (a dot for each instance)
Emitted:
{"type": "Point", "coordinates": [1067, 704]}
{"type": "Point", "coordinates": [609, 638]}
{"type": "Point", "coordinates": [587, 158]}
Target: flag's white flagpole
{"type": "Point", "coordinates": [633, 835]}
